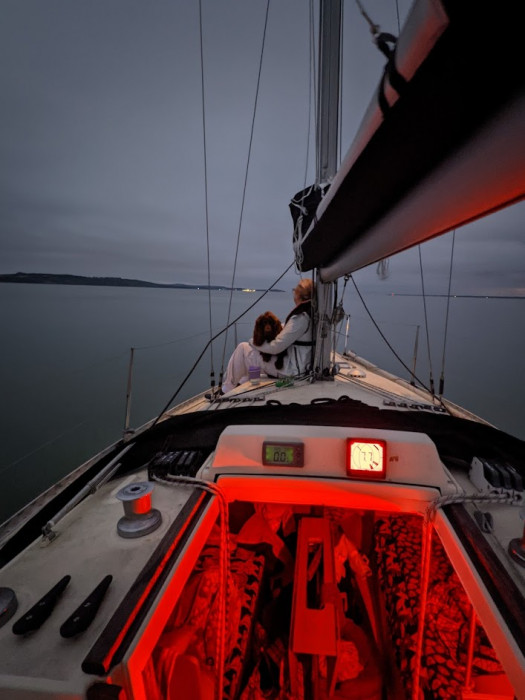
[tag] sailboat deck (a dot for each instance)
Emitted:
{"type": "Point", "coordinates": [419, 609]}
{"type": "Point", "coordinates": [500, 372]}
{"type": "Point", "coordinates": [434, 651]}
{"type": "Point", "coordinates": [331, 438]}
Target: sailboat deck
{"type": "Point", "coordinates": [78, 551]}
{"type": "Point", "coordinates": [321, 417]}
{"type": "Point", "coordinates": [356, 379]}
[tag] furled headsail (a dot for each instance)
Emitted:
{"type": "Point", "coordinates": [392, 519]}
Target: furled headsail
{"type": "Point", "coordinates": [445, 147]}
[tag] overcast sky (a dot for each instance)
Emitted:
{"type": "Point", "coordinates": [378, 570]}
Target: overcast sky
{"type": "Point", "coordinates": [101, 143]}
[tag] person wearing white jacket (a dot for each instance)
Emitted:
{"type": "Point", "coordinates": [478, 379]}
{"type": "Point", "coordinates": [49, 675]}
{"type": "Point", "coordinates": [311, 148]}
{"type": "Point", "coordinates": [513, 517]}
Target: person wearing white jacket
{"type": "Point", "coordinates": [295, 338]}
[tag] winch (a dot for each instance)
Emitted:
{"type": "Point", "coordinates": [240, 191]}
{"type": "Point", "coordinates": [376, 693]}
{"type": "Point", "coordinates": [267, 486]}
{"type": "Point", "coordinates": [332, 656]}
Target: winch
{"type": "Point", "coordinates": [139, 517]}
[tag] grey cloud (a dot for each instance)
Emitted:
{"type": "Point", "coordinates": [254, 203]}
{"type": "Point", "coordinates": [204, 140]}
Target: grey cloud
{"type": "Point", "coordinates": [101, 143]}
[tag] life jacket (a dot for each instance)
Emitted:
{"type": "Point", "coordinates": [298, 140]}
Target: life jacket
{"type": "Point", "coordinates": [303, 307]}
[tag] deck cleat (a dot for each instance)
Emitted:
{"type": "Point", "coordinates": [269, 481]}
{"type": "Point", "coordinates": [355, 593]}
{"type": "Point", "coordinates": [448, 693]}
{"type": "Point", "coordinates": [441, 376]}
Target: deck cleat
{"type": "Point", "coordinates": [517, 545]}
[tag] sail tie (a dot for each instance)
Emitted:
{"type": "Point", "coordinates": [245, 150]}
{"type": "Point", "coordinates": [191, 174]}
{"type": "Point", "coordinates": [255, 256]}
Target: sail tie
{"type": "Point", "coordinates": [396, 80]}
{"type": "Point", "coordinates": [386, 43]}
{"type": "Point", "coordinates": [303, 208]}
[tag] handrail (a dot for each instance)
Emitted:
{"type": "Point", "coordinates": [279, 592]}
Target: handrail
{"type": "Point", "coordinates": [92, 486]}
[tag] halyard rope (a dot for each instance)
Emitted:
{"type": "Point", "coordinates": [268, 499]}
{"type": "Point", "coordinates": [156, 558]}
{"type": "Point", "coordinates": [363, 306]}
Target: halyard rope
{"type": "Point", "coordinates": [501, 498]}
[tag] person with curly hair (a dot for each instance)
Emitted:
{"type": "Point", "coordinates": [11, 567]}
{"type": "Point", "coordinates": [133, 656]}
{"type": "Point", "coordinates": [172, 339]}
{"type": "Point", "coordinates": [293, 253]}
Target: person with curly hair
{"type": "Point", "coordinates": [295, 339]}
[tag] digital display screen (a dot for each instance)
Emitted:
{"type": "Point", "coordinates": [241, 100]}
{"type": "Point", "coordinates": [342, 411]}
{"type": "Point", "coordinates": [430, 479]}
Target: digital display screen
{"type": "Point", "coordinates": [283, 454]}
{"type": "Point", "coordinates": [366, 458]}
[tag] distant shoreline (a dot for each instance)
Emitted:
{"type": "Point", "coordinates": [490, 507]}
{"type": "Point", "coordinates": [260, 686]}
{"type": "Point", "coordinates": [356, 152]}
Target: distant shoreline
{"type": "Point", "coordinates": [43, 278]}
{"type": "Point", "coordinates": [460, 296]}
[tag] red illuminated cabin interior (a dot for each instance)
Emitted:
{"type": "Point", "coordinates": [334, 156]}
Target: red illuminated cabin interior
{"type": "Point", "coordinates": [322, 602]}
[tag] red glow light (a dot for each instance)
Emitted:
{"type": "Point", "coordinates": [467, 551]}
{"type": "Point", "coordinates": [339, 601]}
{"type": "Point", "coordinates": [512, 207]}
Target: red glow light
{"type": "Point", "coordinates": [365, 458]}
{"type": "Point", "coordinates": [106, 663]}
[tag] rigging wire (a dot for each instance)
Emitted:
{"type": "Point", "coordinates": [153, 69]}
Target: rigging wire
{"type": "Point", "coordinates": [224, 330]}
{"type": "Point", "coordinates": [63, 376]}
{"type": "Point", "coordinates": [442, 377]}
{"type": "Point", "coordinates": [374, 28]}
{"type": "Point", "coordinates": [40, 447]}
{"type": "Point", "coordinates": [311, 88]}
{"type": "Point", "coordinates": [168, 342]}
{"type": "Point", "coordinates": [246, 179]}
{"type": "Point", "coordinates": [398, 20]}
{"type": "Point", "coordinates": [315, 68]}
{"type": "Point", "coordinates": [333, 324]}
{"type": "Point", "coordinates": [338, 317]}
{"type": "Point", "coordinates": [426, 321]}
{"type": "Point", "coordinates": [205, 152]}
{"type": "Point", "coordinates": [341, 83]}
{"type": "Point", "coordinates": [386, 341]}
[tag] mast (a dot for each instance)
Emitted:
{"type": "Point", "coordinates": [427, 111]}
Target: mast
{"type": "Point", "coordinates": [329, 89]}
{"type": "Point", "coordinates": [327, 156]}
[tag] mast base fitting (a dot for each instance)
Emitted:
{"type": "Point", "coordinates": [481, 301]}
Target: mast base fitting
{"type": "Point", "coordinates": [517, 550]}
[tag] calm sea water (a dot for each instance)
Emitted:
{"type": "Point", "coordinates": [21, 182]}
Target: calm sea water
{"type": "Point", "coordinates": [65, 354]}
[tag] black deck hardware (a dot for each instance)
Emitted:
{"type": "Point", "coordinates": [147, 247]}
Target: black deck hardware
{"type": "Point", "coordinates": [495, 476]}
{"type": "Point", "coordinates": [8, 604]}
{"type": "Point", "coordinates": [84, 615]}
{"type": "Point", "coordinates": [177, 462]}
{"type": "Point", "coordinates": [38, 614]}
{"type": "Point", "coordinates": [517, 481]}
{"type": "Point", "coordinates": [105, 691]}
{"type": "Point", "coordinates": [505, 478]}
{"type": "Point", "coordinates": [492, 474]}
{"type": "Point", "coordinates": [484, 520]}
{"type": "Point", "coordinates": [517, 550]}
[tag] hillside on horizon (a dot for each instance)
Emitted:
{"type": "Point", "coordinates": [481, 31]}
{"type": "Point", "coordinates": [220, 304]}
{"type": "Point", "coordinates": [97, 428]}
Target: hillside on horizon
{"type": "Point", "coordinates": [47, 278]}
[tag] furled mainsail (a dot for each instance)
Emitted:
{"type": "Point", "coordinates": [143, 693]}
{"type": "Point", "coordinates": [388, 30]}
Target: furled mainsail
{"type": "Point", "coordinates": [448, 149]}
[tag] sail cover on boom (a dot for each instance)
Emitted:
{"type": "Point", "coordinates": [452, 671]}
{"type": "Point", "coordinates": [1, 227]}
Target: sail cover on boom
{"type": "Point", "coordinates": [449, 149]}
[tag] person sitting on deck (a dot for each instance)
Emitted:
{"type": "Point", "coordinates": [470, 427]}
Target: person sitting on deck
{"type": "Point", "coordinates": [295, 337]}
